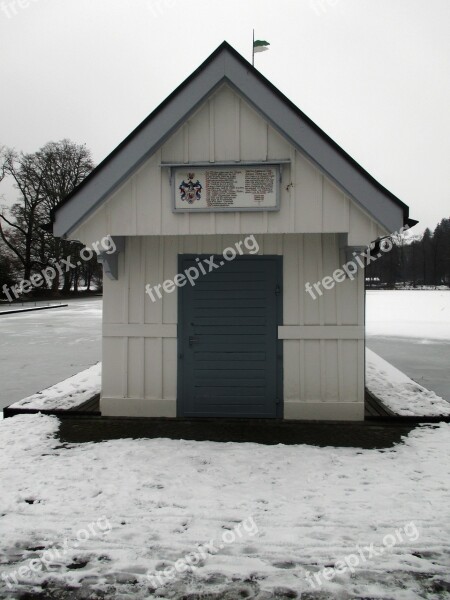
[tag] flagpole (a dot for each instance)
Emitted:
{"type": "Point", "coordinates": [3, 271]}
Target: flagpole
{"type": "Point", "coordinates": [253, 49]}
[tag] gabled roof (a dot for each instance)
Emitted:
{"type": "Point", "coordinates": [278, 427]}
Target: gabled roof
{"type": "Point", "coordinates": [226, 65]}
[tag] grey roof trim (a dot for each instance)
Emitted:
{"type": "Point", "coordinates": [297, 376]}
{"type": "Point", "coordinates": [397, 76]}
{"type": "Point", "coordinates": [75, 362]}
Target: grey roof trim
{"type": "Point", "coordinates": [90, 196]}
{"type": "Point", "coordinates": [329, 160]}
{"type": "Point", "coordinates": [226, 65]}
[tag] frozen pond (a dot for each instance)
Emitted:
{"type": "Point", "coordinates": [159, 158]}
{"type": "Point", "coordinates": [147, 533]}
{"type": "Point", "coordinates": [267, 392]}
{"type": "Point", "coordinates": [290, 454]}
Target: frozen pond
{"type": "Point", "coordinates": [411, 330]}
{"type": "Point", "coordinates": [426, 362]}
{"type": "Point", "coordinates": [39, 349]}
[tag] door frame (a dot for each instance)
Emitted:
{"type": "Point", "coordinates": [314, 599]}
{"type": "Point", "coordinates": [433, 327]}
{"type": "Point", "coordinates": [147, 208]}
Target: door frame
{"type": "Point", "coordinates": [279, 414]}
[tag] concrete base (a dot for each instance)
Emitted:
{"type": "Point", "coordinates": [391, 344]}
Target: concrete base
{"type": "Point", "coordinates": [308, 411]}
{"type": "Point", "coordinates": [324, 411]}
{"type": "Point", "coordinates": [138, 407]}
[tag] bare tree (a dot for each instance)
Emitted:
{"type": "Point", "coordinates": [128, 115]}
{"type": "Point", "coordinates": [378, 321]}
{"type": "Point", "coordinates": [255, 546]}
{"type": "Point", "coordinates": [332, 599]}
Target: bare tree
{"type": "Point", "coordinates": [43, 179]}
{"type": "Point", "coordinates": [22, 220]}
{"type": "Point", "coordinates": [2, 162]}
{"type": "Point", "coordinates": [6, 270]}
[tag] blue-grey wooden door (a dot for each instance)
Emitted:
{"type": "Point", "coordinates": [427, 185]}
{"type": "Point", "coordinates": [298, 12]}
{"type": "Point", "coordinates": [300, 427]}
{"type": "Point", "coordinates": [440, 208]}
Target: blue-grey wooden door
{"type": "Point", "coordinates": [229, 356]}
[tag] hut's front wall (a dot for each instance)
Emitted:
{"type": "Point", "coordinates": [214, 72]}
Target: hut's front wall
{"type": "Point", "coordinates": [323, 339]}
{"type": "Point", "coordinates": [323, 358]}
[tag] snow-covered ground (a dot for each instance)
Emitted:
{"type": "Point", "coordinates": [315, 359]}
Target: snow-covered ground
{"type": "Point", "coordinates": [111, 515]}
{"type": "Point", "coordinates": [67, 394]}
{"type": "Point", "coordinates": [399, 393]}
{"type": "Point", "coordinates": [38, 349]}
{"type": "Point", "coordinates": [105, 520]}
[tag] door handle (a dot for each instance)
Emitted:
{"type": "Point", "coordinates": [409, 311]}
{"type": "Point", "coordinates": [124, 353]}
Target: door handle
{"type": "Point", "coordinates": [192, 340]}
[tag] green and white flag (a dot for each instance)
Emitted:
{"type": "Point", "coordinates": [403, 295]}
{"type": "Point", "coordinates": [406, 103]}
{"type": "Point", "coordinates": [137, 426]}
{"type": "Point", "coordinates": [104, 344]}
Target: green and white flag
{"type": "Point", "coordinates": [260, 46]}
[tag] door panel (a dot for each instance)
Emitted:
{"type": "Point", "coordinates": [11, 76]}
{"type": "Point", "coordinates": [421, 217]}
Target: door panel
{"type": "Point", "coordinates": [229, 355]}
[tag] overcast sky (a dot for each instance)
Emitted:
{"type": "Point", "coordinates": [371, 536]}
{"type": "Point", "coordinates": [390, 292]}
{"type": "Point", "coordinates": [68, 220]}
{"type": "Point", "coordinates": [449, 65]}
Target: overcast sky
{"type": "Point", "coordinates": [373, 74]}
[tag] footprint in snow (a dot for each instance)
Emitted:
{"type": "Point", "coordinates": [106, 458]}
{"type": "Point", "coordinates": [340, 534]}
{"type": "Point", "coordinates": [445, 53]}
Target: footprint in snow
{"type": "Point", "coordinates": [287, 564]}
{"type": "Point", "coordinates": [182, 528]}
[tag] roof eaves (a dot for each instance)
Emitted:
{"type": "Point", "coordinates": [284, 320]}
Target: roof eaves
{"type": "Point", "coordinates": [225, 49]}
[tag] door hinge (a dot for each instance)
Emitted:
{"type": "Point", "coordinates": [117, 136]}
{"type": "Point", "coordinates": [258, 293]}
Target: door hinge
{"type": "Point", "coordinates": [277, 290]}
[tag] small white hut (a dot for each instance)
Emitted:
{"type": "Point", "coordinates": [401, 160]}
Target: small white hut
{"type": "Point", "coordinates": [228, 177]}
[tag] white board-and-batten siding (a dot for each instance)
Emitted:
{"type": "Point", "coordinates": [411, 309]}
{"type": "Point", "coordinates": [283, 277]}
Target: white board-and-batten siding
{"type": "Point", "coordinates": [323, 345]}
{"type": "Point", "coordinates": [323, 339]}
{"type": "Point", "coordinates": [225, 129]}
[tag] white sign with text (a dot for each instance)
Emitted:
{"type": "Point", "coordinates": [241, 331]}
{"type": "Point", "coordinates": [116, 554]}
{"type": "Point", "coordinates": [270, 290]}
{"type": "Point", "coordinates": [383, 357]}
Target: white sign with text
{"type": "Point", "coordinates": [227, 188]}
